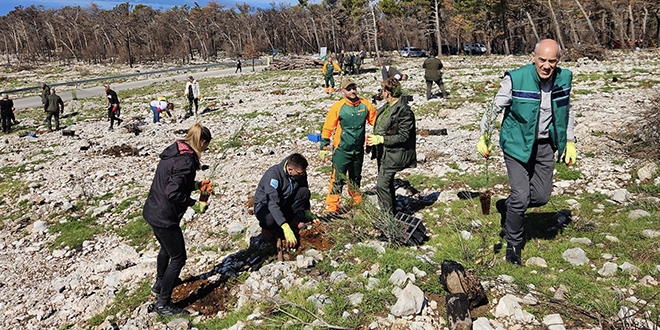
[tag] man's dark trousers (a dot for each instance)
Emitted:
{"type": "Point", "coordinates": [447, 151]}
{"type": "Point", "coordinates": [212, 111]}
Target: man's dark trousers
{"type": "Point", "coordinates": [531, 186]}
{"type": "Point", "coordinates": [295, 211]}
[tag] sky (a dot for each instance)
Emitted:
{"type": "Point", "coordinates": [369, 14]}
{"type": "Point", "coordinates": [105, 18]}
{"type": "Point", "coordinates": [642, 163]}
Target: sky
{"type": "Point", "coordinates": [9, 5]}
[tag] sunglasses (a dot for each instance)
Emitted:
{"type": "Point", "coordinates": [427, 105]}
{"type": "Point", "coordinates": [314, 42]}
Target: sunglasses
{"type": "Point", "coordinates": [351, 87]}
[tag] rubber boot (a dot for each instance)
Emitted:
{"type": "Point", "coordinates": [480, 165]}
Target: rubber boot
{"type": "Point", "coordinates": [513, 255]}
{"type": "Point", "coordinates": [327, 91]}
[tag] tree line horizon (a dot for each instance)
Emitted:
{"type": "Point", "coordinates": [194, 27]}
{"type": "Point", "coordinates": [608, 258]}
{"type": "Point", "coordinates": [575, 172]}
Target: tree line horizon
{"type": "Point", "coordinates": [140, 34]}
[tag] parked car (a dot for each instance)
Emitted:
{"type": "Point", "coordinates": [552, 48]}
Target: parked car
{"type": "Point", "coordinates": [412, 52]}
{"type": "Point", "coordinates": [476, 48]}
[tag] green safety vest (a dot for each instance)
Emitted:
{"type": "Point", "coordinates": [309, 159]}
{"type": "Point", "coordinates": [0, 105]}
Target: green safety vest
{"type": "Point", "coordinates": [520, 123]}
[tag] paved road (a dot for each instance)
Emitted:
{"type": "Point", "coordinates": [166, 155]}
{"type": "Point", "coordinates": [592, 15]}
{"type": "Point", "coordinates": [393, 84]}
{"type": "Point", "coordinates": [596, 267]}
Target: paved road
{"type": "Point", "coordinates": [35, 101]}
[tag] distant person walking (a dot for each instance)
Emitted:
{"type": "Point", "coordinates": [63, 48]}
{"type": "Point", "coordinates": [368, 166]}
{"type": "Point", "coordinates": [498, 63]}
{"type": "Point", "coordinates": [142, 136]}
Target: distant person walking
{"type": "Point", "coordinates": [54, 107]}
{"type": "Point", "coordinates": [113, 107]}
{"type": "Point", "coordinates": [192, 92]}
{"type": "Point", "coordinates": [45, 91]}
{"type": "Point", "coordinates": [238, 66]}
{"type": "Point", "coordinates": [432, 74]}
{"type": "Point", "coordinates": [168, 200]}
{"type": "Point", "coordinates": [6, 112]}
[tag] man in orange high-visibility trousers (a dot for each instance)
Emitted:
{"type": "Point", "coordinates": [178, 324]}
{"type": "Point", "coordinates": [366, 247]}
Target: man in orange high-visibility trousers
{"type": "Point", "coordinates": [328, 69]}
{"type": "Point", "coordinates": [347, 118]}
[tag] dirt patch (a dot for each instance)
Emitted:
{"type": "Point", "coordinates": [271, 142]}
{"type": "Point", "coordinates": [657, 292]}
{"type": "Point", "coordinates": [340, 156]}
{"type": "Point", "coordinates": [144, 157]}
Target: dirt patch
{"type": "Point", "coordinates": [202, 296]}
{"type": "Point", "coordinates": [121, 151]}
{"type": "Point", "coordinates": [317, 237]}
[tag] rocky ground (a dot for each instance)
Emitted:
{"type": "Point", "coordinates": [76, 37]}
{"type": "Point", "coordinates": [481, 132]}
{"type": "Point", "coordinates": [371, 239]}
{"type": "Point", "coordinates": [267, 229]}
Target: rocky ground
{"type": "Point", "coordinates": [73, 244]}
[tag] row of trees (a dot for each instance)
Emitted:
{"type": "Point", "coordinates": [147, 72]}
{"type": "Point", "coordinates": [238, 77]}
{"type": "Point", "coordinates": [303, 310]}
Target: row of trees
{"type": "Point", "coordinates": [140, 33]}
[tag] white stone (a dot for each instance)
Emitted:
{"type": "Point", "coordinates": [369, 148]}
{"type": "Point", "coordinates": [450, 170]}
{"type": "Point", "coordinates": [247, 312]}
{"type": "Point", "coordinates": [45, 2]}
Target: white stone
{"type": "Point", "coordinates": [536, 261]}
{"type": "Point", "coordinates": [650, 233]}
{"type": "Point", "coordinates": [636, 214]}
{"type": "Point", "coordinates": [304, 262]}
{"type": "Point", "coordinates": [620, 196]}
{"type": "Point", "coordinates": [481, 323]}
{"type": "Point", "coordinates": [466, 235]}
{"type": "Point", "coordinates": [39, 227]}
{"type": "Point", "coordinates": [508, 306]}
{"type": "Point", "coordinates": [372, 282]}
{"type": "Point", "coordinates": [529, 299]}
{"type": "Point", "coordinates": [319, 300]}
{"type": "Point", "coordinates": [648, 280]}
{"type": "Point", "coordinates": [505, 278]}
{"type": "Point", "coordinates": [629, 268]}
{"type": "Point", "coordinates": [575, 256]}
{"type": "Point", "coordinates": [656, 270]}
{"type": "Point", "coordinates": [410, 301]}
{"type": "Point", "coordinates": [612, 239]}
{"type": "Point", "coordinates": [646, 172]}
{"type": "Point", "coordinates": [398, 278]}
{"type": "Point", "coordinates": [337, 276]}
{"type": "Point", "coordinates": [355, 299]}
{"type": "Point", "coordinates": [235, 229]}
{"type": "Point", "coordinates": [418, 272]}
{"type": "Point", "coordinates": [179, 324]}
{"type": "Point", "coordinates": [608, 269]}
{"type": "Point", "coordinates": [581, 240]}
{"type": "Point", "coordinates": [554, 322]}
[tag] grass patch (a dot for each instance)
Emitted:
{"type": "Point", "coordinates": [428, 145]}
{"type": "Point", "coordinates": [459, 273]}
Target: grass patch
{"type": "Point", "coordinates": [598, 133]}
{"type": "Point", "coordinates": [125, 302]}
{"type": "Point", "coordinates": [565, 173]}
{"type": "Point", "coordinates": [126, 203]}
{"type": "Point", "coordinates": [74, 232]}
{"type": "Point", "coordinates": [137, 232]}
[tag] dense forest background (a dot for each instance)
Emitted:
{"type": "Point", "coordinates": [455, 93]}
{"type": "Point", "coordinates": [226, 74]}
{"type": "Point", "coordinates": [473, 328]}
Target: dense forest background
{"type": "Point", "coordinates": [139, 34]}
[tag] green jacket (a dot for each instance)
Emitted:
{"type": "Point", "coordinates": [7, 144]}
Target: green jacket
{"type": "Point", "coordinates": [54, 103]}
{"type": "Point", "coordinates": [432, 67]}
{"type": "Point", "coordinates": [396, 124]}
{"type": "Point", "coordinates": [520, 123]}
{"type": "Point", "coordinates": [346, 123]}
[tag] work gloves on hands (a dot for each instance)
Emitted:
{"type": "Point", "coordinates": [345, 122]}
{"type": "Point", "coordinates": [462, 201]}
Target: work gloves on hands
{"type": "Point", "coordinates": [204, 186]}
{"type": "Point", "coordinates": [289, 236]}
{"type": "Point", "coordinates": [311, 216]}
{"type": "Point", "coordinates": [571, 155]}
{"type": "Point", "coordinates": [373, 140]}
{"type": "Point", "coordinates": [484, 145]}
{"type": "Point", "coordinates": [200, 207]}
{"type": "Point", "coordinates": [323, 154]}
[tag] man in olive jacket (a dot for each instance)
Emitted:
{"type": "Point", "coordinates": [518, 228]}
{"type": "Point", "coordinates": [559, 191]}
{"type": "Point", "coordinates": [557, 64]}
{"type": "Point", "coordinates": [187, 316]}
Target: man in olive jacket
{"type": "Point", "coordinates": [538, 121]}
{"type": "Point", "coordinates": [432, 74]}
{"type": "Point", "coordinates": [54, 107]}
{"type": "Point", "coordinates": [45, 91]}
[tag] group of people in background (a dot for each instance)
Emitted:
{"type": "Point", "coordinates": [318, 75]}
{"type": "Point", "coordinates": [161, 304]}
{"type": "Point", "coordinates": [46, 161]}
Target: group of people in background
{"type": "Point", "coordinates": [351, 62]}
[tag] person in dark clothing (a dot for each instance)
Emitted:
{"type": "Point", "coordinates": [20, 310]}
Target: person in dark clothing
{"type": "Point", "coordinates": [45, 91]}
{"type": "Point", "coordinates": [6, 112]}
{"type": "Point", "coordinates": [113, 106]}
{"type": "Point", "coordinates": [168, 199]}
{"type": "Point", "coordinates": [282, 199]}
{"type": "Point", "coordinates": [54, 107]}
{"type": "Point", "coordinates": [238, 66]}
{"type": "Point", "coordinates": [393, 141]}
{"type": "Point", "coordinates": [388, 71]}
{"type": "Point", "coordinates": [432, 74]}
{"type": "Point", "coordinates": [192, 93]}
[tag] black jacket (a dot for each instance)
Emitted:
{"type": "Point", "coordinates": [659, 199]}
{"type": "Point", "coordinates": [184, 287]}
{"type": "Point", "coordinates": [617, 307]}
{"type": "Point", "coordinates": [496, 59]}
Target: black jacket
{"type": "Point", "coordinates": [5, 106]}
{"type": "Point", "coordinates": [277, 190]}
{"type": "Point", "coordinates": [169, 196]}
{"type": "Point", "coordinates": [399, 135]}
{"type": "Point", "coordinates": [112, 97]}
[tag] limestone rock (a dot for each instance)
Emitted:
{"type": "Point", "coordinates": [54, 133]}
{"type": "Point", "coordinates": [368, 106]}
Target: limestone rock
{"type": "Point", "coordinates": [575, 256]}
{"type": "Point", "coordinates": [410, 301]}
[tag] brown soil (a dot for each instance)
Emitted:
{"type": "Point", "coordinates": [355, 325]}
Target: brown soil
{"type": "Point", "coordinates": [202, 296]}
{"type": "Point", "coordinates": [121, 151]}
{"type": "Point", "coordinates": [315, 238]}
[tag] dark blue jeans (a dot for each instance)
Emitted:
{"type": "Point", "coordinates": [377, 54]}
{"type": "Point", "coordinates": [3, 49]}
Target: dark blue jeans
{"type": "Point", "coordinates": [156, 114]}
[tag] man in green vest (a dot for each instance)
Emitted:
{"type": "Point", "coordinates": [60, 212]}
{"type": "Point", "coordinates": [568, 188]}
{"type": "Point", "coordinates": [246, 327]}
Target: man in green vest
{"type": "Point", "coordinates": [538, 121]}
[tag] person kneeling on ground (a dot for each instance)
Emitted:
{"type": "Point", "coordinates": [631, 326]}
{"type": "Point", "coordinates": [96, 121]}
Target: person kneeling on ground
{"type": "Point", "coordinates": [393, 141]}
{"type": "Point", "coordinates": [281, 202]}
{"type": "Point", "coordinates": [168, 200]}
{"type": "Point", "coordinates": [160, 105]}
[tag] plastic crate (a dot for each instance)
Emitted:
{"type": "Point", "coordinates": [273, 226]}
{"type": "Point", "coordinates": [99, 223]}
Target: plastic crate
{"type": "Point", "coordinates": [314, 137]}
{"type": "Point", "coordinates": [414, 232]}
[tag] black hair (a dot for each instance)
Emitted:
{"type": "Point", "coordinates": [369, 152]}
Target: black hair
{"type": "Point", "coordinates": [297, 161]}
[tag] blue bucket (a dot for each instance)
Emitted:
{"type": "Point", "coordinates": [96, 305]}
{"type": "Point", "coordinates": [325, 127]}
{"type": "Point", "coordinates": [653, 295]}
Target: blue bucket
{"type": "Point", "coordinates": [314, 137]}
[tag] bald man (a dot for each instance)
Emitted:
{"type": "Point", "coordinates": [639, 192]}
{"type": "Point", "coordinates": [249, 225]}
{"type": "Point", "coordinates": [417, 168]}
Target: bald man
{"type": "Point", "coordinates": [538, 121]}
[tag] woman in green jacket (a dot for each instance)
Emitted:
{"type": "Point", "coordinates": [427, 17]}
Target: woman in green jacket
{"type": "Point", "coordinates": [393, 141]}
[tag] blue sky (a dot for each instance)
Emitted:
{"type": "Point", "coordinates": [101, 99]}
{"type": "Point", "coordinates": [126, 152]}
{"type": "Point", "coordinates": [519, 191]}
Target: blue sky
{"type": "Point", "coordinates": [9, 5]}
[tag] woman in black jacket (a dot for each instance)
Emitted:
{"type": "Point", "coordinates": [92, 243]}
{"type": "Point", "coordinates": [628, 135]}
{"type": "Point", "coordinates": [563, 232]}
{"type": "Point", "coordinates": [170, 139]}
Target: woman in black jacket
{"type": "Point", "coordinates": [393, 141]}
{"type": "Point", "coordinates": [168, 199]}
